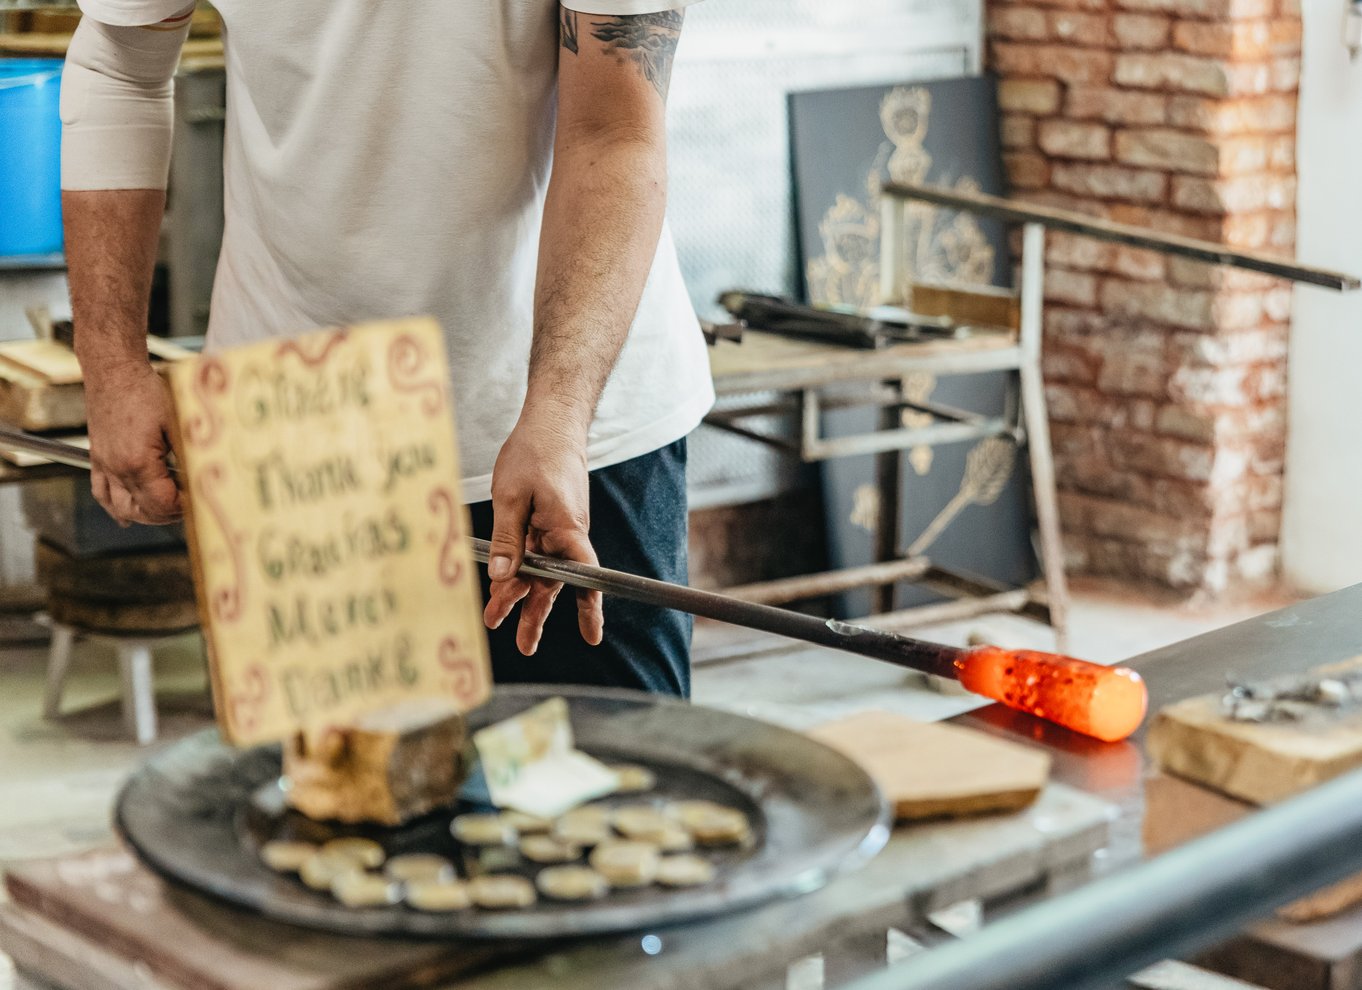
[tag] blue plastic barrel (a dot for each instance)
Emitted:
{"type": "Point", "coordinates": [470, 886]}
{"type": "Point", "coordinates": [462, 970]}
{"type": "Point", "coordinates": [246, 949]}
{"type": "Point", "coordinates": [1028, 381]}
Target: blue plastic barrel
{"type": "Point", "coordinates": [30, 156]}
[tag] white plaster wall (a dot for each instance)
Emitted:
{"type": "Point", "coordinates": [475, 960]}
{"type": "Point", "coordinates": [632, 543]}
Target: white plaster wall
{"type": "Point", "coordinates": [1322, 524]}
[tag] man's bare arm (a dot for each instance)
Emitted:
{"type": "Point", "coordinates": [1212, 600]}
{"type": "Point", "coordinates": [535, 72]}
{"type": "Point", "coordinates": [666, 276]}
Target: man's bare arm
{"type": "Point", "coordinates": [602, 220]}
{"type": "Point", "coordinates": [605, 203]}
{"type": "Point", "coordinates": [116, 112]}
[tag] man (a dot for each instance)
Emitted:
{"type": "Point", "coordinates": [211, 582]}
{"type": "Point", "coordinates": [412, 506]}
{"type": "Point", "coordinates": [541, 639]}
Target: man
{"type": "Point", "coordinates": [499, 164]}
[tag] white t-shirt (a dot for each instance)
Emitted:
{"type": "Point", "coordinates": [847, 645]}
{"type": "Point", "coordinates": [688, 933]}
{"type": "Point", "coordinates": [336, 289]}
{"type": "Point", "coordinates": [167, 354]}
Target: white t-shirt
{"type": "Point", "coordinates": [390, 160]}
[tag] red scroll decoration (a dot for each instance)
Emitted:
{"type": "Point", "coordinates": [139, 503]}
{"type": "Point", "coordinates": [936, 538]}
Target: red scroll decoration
{"type": "Point", "coordinates": [243, 707]}
{"type": "Point", "coordinates": [226, 602]}
{"type": "Point", "coordinates": [211, 381]}
{"type": "Point", "coordinates": [406, 363]}
{"type": "Point", "coordinates": [461, 673]}
{"type": "Point", "coordinates": [441, 502]}
{"type": "Point", "coordinates": [330, 343]}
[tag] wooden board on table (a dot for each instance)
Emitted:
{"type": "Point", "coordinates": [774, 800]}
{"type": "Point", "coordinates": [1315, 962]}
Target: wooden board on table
{"type": "Point", "coordinates": [1261, 763]}
{"type": "Point", "coordinates": [989, 305]}
{"type": "Point", "coordinates": [30, 403]}
{"type": "Point", "coordinates": [326, 528]}
{"type": "Point", "coordinates": [1178, 811]}
{"type": "Point", "coordinates": [934, 770]}
{"type": "Point", "coordinates": [55, 363]}
{"type": "Point", "coordinates": [107, 903]}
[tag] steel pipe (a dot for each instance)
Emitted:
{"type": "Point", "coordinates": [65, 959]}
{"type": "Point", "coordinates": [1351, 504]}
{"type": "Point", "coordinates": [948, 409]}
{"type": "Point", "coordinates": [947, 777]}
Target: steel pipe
{"type": "Point", "coordinates": [1176, 904]}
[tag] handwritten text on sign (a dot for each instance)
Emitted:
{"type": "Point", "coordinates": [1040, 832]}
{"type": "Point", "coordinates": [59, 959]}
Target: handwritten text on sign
{"type": "Point", "coordinates": [327, 528]}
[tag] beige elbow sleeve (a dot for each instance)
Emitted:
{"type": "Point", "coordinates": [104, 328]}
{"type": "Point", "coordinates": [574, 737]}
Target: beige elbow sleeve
{"type": "Point", "coordinates": [117, 106]}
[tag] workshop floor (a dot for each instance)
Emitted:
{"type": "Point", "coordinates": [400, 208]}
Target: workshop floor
{"type": "Point", "coordinates": [57, 779]}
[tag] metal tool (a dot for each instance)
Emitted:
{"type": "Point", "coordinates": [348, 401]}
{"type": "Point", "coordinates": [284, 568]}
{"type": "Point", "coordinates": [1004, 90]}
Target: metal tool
{"type": "Point", "coordinates": [881, 328]}
{"type": "Point", "coordinates": [1108, 703]}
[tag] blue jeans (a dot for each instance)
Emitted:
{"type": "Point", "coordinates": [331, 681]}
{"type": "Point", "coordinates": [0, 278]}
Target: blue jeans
{"type": "Point", "coordinates": [638, 524]}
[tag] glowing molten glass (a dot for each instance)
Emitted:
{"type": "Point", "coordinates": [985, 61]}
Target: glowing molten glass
{"type": "Point", "coordinates": [1106, 702]}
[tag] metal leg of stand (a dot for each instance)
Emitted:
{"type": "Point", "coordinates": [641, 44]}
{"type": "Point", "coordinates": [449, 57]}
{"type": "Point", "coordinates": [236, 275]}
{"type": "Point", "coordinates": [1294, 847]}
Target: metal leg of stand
{"type": "Point", "coordinates": [58, 665]}
{"type": "Point", "coordinates": [1038, 449]}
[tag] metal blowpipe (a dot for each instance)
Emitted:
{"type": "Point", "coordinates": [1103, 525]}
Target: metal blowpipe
{"type": "Point", "coordinates": [1107, 703]}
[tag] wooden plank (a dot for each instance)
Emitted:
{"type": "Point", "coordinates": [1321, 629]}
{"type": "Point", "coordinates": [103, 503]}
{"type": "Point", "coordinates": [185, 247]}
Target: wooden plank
{"type": "Point", "coordinates": [1261, 763]}
{"type": "Point", "coordinates": [1178, 811]}
{"type": "Point", "coordinates": [154, 576]}
{"type": "Point", "coordinates": [30, 403]}
{"type": "Point", "coordinates": [766, 361]}
{"type": "Point", "coordinates": [55, 363]}
{"type": "Point", "coordinates": [977, 305]}
{"type": "Point", "coordinates": [1016, 211]}
{"type": "Point", "coordinates": [934, 770]}
{"type": "Point", "coordinates": [124, 618]}
{"type": "Point", "coordinates": [63, 958]}
{"type": "Point", "coordinates": [326, 528]}
{"type": "Point", "coordinates": [188, 942]}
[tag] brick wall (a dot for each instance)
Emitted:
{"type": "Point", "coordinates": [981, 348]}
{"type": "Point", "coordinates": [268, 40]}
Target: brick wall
{"type": "Point", "coordinates": [1166, 378]}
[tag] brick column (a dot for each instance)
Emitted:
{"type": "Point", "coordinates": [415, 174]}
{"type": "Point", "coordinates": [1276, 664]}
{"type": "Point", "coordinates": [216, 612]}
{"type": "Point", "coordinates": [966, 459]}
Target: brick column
{"type": "Point", "coordinates": [1166, 378]}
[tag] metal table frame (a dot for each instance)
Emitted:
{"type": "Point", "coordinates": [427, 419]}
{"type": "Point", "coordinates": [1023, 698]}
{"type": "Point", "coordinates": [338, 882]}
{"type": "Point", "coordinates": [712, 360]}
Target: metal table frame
{"type": "Point", "coordinates": [810, 388]}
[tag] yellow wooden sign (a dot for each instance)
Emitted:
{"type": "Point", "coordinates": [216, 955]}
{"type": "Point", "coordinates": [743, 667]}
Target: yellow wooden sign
{"type": "Point", "coordinates": [326, 527]}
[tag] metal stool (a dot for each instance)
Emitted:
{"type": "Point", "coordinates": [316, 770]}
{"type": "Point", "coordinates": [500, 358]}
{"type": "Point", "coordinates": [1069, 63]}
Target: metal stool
{"type": "Point", "coordinates": [135, 673]}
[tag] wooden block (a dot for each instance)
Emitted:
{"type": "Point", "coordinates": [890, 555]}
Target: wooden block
{"type": "Point", "coordinates": [152, 578]}
{"type": "Point", "coordinates": [55, 363]}
{"type": "Point", "coordinates": [932, 770]}
{"type": "Point", "coordinates": [1178, 811]}
{"type": "Point", "coordinates": [326, 528]}
{"type": "Point", "coordinates": [390, 766]}
{"type": "Point", "coordinates": [988, 305]}
{"type": "Point", "coordinates": [1261, 763]}
{"type": "Point", "coordinates": [55, 21]}
{"type": "Point", "coordinates": [30, 403]}
{"type": "Point", "coordinates": [107, 900]}
{"type": "Point", "coordinates": [131, 618]}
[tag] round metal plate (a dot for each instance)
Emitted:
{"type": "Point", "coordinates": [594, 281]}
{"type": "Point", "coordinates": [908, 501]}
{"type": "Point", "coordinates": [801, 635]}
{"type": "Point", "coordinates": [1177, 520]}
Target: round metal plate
{"type": "Point", "coordinates": [197, 812]}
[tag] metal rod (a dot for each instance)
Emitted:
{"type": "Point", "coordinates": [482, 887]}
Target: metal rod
{"type": "Point", "coordinates": [916, 654]}
{"type": "Point", "coordinates": [53, 450]}
{"type": "Point", "coordinates": [1174, 905]}
{"type": "Point", "coordinates": [1079, 223]}
{"type": "Point", "coordinates": [829, 582]}
{"type": "Point", "coordinates": [931, 657]}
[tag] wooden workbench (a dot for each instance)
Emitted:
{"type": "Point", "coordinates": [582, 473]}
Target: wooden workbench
{"type": "Point", "coordinates": [765, 362]}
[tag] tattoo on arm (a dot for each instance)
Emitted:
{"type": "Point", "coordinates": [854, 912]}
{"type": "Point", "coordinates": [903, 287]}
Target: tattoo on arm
{"type": "Point", "coordinates": [567, 24]}
{"type": "Point", "coordinates": [647, 40]}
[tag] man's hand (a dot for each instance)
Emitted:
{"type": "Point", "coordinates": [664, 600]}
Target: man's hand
{"type": "Point", "coordinates": [129, 417]}
{"type": "Point", "coordinates": [539, 504]}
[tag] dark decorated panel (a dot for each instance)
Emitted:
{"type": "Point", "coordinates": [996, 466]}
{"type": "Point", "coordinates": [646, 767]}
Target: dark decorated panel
{"type": "Point", "coordinates": [967, 501]}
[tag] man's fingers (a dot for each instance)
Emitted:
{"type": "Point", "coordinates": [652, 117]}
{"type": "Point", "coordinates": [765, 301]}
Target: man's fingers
{"type": "Point", "coordinates": [534, 613]}
{"type": "Point", "coordinates": [591, 616]}
{"type": "Point", "coordinates": [574, 545]}
{"type": "Point", "coordinates": [510, 517]}
{"type": "Point", "coordinates": [503, 598]}
{"type": "Point", "coordinates": [155, 493]}
{"type": "Point", "coordinates": [99, 488]}
{"type": "Point", "coordinates": [121, 503]}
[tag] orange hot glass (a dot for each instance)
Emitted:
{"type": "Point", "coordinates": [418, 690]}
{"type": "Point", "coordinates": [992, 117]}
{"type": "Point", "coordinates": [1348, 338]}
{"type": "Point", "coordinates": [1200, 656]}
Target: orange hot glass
{"type": "Point", "coordinates": [1105, 702]}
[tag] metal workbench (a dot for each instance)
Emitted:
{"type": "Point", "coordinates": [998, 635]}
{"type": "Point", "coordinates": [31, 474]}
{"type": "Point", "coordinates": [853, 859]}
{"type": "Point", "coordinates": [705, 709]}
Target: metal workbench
{"type": "Point", "coordinates": [1081, 834]}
